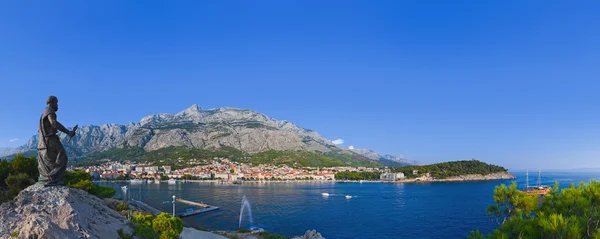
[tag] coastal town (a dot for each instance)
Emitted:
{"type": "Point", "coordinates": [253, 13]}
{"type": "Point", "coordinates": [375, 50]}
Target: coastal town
{"type": "Point", "coordinates": [224, 169]}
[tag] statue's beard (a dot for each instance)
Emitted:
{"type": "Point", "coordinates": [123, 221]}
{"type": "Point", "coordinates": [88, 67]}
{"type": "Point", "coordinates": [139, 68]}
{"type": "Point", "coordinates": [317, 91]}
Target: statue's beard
{"type": "Point", "coordinates": [55, 107]}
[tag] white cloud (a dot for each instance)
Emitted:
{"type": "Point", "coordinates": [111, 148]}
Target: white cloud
{"type": "Point", "coordinates": [351, 147]}
{"type": "Point", "coordinates": [338, 141]}
{"type": "Point", "coordinates": [13, 140]}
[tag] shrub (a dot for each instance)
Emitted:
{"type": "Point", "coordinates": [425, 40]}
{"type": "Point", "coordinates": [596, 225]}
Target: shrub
{"type": "Point", "coordinates": [102, 192]}
{"type": "Point", "coordinates": [163, 226]}
{"type": "Point", "coordinates": [81, 180]}
{"type": "Point", "coordinates": [26, 165]}
{"type": "Point", "coordinates": [122, 207]}
{"type": "Point", "coordinates": [168, 226]}
{"type": "Point", "coordinates": [123, 235]}
{"type": "Point", "coordinates": [85, 185]}
{"type": "Point", "coordinates": [73, 177]}
{"type": "Point", "coordinates": [18, 182]}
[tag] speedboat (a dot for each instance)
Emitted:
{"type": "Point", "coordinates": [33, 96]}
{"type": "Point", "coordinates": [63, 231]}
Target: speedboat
{"type": "Point", "coordinates": [348, 196]}
{"type": "Point", "coordinates": [325, 194]}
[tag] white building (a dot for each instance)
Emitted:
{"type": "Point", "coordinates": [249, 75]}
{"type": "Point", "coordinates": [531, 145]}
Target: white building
{"type": "Point", "coordinates": [151, 169]}
{"type": "Point", "coordinates": [167, 169]}
{"type": "Point", "coordinates": [391, 176]}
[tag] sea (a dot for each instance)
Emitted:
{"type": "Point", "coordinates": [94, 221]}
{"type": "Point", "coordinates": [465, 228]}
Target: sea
{"type": "Point", "coordinates": [375, 210]}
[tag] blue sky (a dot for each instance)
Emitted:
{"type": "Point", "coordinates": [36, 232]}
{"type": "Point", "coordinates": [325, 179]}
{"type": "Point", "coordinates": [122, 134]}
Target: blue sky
{"type": "Point", "coordinates": [513, 83]}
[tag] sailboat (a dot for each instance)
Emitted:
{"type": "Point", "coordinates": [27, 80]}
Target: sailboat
{"type": "Point", "coordinates": [536, 190]}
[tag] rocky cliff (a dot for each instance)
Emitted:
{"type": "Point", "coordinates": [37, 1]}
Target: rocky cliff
{"type": "Point", "coordinates": [58, 212]}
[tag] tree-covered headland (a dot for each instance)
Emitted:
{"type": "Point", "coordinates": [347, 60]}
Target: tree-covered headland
{"type": "Point", "coordinates": [450, 169]}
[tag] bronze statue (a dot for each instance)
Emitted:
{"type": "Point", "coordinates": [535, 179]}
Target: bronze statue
{"type": "Point", "coordinates": [52, 157]}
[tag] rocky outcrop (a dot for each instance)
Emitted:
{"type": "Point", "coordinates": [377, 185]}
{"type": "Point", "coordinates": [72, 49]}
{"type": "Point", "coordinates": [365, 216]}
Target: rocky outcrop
{"type": "Point", "coordinates": [58, 212]}
{"type": "Point", "coordinates": [310, 234]}
{"type": "Point", "coordinates": [468, 177]}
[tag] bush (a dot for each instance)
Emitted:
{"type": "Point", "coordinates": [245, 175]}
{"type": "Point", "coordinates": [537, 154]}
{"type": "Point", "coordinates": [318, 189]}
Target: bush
{"type": "Point", "coordinates": [168, 226]}
{"type": "Point", "coordinates": [102, 192]}
{"type": "Point", "coordinates": [268, 235]}
{"type": "Point", "coordinates": [5, 170]}
{"type": "Point", "coordinates": [18, 182]}
{"type": "Point", "coordinates": [81, 180]}
{"type": "Point", "coordinates": [163, 226]}
{"type": "Point", "coordinates": [73, 177]}
{"type": "Point", "coordinates": [123, 235]}
{"type": "Point", "coordinates": [122, 207]}
{"type": "Point", "coordinates": [26, 165]}
{"type": "Point", "coordinates": [85, 185]}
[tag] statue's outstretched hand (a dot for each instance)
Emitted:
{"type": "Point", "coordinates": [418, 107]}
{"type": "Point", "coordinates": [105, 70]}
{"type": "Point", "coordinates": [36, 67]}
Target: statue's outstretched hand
{"type": "Point", "coordinates": [72, 133]}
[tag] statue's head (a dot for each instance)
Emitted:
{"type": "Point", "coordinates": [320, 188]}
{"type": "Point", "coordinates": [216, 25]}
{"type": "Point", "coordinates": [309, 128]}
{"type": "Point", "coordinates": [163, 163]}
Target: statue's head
{"type": "Point", "coordinates": [52, 102]}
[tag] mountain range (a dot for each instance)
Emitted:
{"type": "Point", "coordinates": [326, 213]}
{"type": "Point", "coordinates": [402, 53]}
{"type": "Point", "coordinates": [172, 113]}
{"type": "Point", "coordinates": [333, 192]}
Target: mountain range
{"type": "Point", "coordinates": [243, 129]}
{"type": "Point", "coordinates": [6, 151]}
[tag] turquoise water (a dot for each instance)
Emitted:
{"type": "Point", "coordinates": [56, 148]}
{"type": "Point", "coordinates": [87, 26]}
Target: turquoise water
{"type": "Point", "coordinates": [376, 210]}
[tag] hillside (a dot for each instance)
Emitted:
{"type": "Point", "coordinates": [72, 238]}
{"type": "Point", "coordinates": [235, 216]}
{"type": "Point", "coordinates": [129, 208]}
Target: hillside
{"type": "Point", "coordinates": [179, 156]}
{"type": "Point", "coordinates": [451, 169]}
{"type": "Point", "coordinates": [194, 128]}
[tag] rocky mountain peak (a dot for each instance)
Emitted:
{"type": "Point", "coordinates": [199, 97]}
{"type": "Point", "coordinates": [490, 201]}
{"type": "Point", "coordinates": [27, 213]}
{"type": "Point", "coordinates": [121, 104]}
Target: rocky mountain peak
{"type": "Point", "coordinates": [192, 110]}
{"type": "Point", "coordinates": [243, 129]}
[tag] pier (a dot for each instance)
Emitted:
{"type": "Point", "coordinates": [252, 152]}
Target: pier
{"type": "Point", "coordinates": [145, 207]}
{"type": "Point", "coordinates": [202, 205]}
{"type": "Point", "coordinates": [188, 212]}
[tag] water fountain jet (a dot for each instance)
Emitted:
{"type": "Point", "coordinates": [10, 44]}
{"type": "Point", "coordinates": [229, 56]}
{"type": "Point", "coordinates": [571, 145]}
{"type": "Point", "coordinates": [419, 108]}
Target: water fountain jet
{"type": "Point", "coordinates": [245, 204]}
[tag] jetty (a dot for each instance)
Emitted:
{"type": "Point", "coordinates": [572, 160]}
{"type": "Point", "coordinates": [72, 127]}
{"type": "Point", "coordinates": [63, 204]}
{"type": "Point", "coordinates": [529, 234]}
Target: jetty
{"type": "Point", "coordinates": [194, 211]}
{"type": "Point", "coordinates": [202, 205]}
{"type": "Point", "coordinates": [188, 212]}
{"type": "Point", "coordinates": [145, 207]}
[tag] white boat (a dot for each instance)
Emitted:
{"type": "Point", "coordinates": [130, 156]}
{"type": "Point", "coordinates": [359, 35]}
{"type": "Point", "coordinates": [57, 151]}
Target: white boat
{"type": "Point", "coordinates": [325, 194]}
{"type": "Point", "coordinates": [348, 196]}
{"type": "Point", "coordinates": [361, 181]}
{"type": "Point", "coordinates": [156, 181]}
{"type": "Point", "coordinates": [137, 181]}
{"type": "Point", "coordinates": [172, 181]}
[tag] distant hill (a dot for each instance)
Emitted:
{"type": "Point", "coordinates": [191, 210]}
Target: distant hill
{"type": "Point", "coordinates": [194, 128]}
{"type": "Point", "coordinates": [384, 159]}
{"type": "Point", "coordinates": [180, 156]}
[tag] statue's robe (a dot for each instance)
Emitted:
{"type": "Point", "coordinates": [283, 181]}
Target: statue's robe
{"type": "Point", "coordinates": [52, 158]}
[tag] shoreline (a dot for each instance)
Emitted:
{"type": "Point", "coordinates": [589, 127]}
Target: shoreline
{"type": "Point", "coordinates": [422, 179]}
